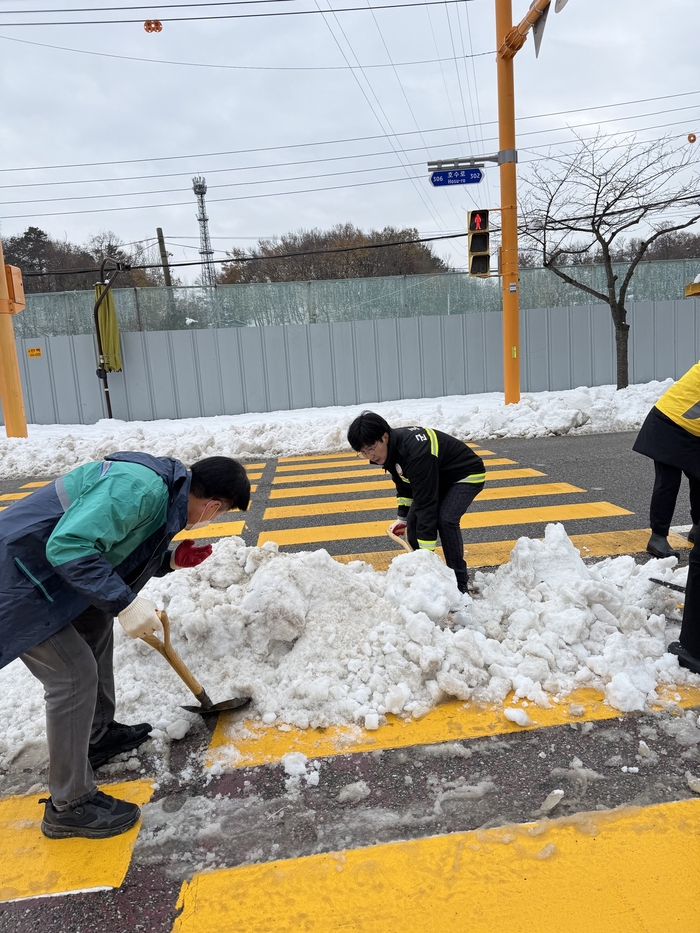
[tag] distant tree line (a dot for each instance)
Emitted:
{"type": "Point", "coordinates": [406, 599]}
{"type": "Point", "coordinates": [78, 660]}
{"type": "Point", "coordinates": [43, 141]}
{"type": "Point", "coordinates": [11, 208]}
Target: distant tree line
{"type": "Point", "coordinates": [35, 251]}
{"type": "Point", "coordinates": [318, 261]}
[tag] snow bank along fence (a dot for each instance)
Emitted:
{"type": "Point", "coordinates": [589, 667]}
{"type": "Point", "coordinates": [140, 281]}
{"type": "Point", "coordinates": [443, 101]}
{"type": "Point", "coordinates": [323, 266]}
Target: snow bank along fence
{"type": "Point", "coordinates": [229, 370]}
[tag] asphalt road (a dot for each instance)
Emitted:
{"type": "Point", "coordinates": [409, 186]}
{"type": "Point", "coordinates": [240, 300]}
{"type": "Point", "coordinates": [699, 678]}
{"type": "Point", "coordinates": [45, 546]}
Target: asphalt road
{"type": "Point", "coordinates": [251, 816]}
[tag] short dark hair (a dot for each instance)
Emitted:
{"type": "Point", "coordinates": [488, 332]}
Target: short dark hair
{"type": "Point", "coordinates": [367, 429]}
{"type": "Point", "coordinates": [221, 478]}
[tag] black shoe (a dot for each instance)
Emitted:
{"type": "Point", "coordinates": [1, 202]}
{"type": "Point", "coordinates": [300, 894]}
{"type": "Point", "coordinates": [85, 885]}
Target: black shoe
{"type": "Point", "coordinates": [692, 533]}
{"type": "Point", "coordinates": [118, 738]}
{"type": "Point", "coordinates": [658, 546]}
{"type": "Point", "coordinates": [685, 658]}
{"type": "Point", "coordinates": [99, 817]}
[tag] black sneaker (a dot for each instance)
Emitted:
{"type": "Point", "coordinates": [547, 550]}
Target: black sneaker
{"type": "Point", "coordinates": [685, 658]}
{"type": "Point", "coordinates": [99, 817]}
{"type": "Point", "coordinates": [118, 738]}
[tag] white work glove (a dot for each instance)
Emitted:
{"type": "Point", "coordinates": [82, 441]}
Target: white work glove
{"type": "Point", "coordinates": [398, 528]}
{"type": "Point", "coordinates": [139, 618]}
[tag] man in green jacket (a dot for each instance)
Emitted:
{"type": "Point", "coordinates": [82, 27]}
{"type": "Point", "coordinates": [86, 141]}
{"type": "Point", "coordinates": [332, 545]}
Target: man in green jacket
{"type": "Point", "coordinates": [73, 556]}
{"type": "Point", "coordinates": [437, 477]}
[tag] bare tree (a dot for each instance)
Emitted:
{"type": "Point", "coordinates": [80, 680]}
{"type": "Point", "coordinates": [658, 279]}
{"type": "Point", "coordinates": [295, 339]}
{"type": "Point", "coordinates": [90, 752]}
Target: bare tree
{"type": "Point", "coordinates": [581, 206]}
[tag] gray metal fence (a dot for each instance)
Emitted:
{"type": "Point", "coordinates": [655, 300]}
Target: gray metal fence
{"type": "Point", "coordinates": [215, 371]}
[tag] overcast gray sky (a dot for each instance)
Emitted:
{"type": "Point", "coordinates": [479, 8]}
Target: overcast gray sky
{"type": "Point", "coordinates": [302, 121]}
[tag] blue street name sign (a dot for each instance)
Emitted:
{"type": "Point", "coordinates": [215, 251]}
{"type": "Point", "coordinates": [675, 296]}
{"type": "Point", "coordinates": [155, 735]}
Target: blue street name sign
{"type": "Point", "coordinates": [461, 176]}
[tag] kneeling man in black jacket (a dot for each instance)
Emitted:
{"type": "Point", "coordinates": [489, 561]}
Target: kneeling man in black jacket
{"type": "Point", "coordinates": [437, 478]}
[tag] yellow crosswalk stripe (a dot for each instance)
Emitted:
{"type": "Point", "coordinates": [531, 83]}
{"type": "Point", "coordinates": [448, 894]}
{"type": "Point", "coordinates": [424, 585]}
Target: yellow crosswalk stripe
{"type": "Point", "coordinates": [344, 488]}
{"type": "Point", "coordinates": [343, 456]}
{"type": "Point", "coordinates": [329, 465]}
{"type": "Point", "coordinates": [250, 743]}
{"type": "Point", "coordinates": [36, 485]}
{"type": "Point", "coordinates": [377, 471]}
{"type": "Point", "coordinates": [490, 519]}
{"type": "Point", "coordinates": [14, 495]}
{"type": "Point", "coordinates": [494, 553]}
{"type": "Point", "coordinates": [255, 466]}
{"type": "Point", "coordinates": [33, 866]}
{"type": "Point", "coordinates": [380, 503]}
{"type": "Point", "coordinates": [215, 530]}
{"type": "Point", "coordinates": [580, 874]}
{"type": "Point", "coordinates": [314, 477]}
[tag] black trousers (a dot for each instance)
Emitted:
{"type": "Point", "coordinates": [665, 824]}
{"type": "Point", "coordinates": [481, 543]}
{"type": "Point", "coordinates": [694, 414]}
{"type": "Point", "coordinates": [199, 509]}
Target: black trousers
{"type": "Point", "coordinates": [667, 481]}
{"type": "Point", "coordinates": [450, 510]}
{"type": "Point", "coordinates": [690, 628]}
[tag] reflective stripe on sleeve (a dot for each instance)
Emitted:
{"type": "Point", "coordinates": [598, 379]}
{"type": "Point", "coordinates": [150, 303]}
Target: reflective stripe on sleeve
{"type": "Point", "coordinates": [403, 501]}
{"type": "Point", "coordinates": [473, 478]}
{"type": "Point", "coordinates": [427, 545]}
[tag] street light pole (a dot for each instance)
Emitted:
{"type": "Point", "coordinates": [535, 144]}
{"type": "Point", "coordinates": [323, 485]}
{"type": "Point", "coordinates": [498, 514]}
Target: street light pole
{"type": "Point", "coordinates": [509, 205]}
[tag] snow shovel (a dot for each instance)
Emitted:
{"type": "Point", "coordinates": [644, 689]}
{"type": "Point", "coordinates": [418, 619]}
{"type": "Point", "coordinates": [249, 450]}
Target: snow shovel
{"type": "Point", "coordinates": [178, 665]}
{"type": "Point", "coordinates": [671, 586]}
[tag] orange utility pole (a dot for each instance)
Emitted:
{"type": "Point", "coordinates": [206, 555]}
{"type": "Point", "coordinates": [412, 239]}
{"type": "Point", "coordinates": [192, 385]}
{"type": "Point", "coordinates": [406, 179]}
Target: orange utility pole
{"type": "Point", "coordinates": [509, 39]}
{"type": "Point", "coordinates": [11, 301]}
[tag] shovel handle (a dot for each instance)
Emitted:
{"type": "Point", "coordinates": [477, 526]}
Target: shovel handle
{"type": "Point", "coordinates": [400, 540]}
{"type": "Point", "coordinates": [166, 649]}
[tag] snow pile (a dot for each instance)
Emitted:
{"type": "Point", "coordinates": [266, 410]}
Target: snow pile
{"type": "Point", "coordinates": [53, 449]}
{"type": "Point", "coordinates": [316, 642]}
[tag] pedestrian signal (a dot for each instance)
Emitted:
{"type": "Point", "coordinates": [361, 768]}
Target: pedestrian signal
{"type": "Point", "coordinates": [479, 248]}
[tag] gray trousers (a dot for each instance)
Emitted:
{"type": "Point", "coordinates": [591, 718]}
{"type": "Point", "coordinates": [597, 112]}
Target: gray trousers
{"type": "Point", "coordinates": [75, 666]}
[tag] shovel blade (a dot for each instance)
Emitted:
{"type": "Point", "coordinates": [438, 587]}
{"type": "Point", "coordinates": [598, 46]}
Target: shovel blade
{"type": "Point", "coordinates": [235, 703]}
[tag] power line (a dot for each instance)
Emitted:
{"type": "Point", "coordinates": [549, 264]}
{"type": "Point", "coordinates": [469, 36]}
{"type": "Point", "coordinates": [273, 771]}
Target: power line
{"type": "Point", "coordinates": [333, 142]}
{"type": "Point", "coordinates": [349, 171]}
{"type": "Point", "coordinates": [310, 252]}
{"type": "Point", "coordinates": [228, 16]}
{"type": "Point", "coordinates": [161, 61]}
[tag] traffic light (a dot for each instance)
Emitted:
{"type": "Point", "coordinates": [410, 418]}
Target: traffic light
{"type": "Point", "coordinates": [479, 250]}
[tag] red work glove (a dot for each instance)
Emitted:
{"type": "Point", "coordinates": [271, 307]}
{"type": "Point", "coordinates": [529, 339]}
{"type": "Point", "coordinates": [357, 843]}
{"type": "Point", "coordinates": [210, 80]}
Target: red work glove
{"type": "Point", "coordinates": [188, 554]}
{"type": "Point", "coordinates": [398, 528]}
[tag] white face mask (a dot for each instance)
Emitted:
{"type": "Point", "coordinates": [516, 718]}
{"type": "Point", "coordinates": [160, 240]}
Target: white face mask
{"type": "Point", "coordinates": [200, 523]}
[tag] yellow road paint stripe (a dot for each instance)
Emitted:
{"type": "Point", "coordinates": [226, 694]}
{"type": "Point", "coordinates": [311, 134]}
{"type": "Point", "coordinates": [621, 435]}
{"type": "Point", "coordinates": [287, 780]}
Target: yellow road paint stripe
{"type": "Point", "coordinates": [489, 519]}
{"type": "Point", "coordinates": [379, 503]}
{"type": "Point", "coordinates": [350, 455]}
{"type": "Point", "coordinates": [377, 471]}
{"type": "Point", "coordinates": [250, 743]}
{"type": "Point", "coordinates": [254, 475]}
{"type": "Point", "coordinates": [344, 488]}
{"type": "Point", "coordinates": [334, 490]}
{"type": "Point", "coordinates": [255, 466]}
{"type": "Point", "coordinates": [14, 495]}
{"type": "Point", "coordinates": [494, 553]}
{"type": "Point", "coordinates": [499, 461]}
{"type": "Point", "coordinates": [511, 474]}
{"type": "Point", "coordinates": [36, 485]}
{"type": "Point", "coordinates": [330, 465]}
{"type": "Point", "coordinates": [580, 874]}
{"type": "Point", "coordinates": [215, 530]}
{"type": "Point", "coordinates": [314, 477]}
{"type": "Point", "coordinates": [34, 866]}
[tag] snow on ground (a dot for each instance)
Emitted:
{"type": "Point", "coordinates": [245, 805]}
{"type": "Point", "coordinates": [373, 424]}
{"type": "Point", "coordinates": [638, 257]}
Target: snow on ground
{"type": "Point", "coordinates": [52, 449]}
{"type": "Point", "coordinates": [317, 642]}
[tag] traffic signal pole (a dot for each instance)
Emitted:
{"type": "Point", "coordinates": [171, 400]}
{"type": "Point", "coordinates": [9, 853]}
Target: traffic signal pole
{"type": "Point", "coordinates": [509, 206]}
{"type": "Point", "coordinates": [509, 39]}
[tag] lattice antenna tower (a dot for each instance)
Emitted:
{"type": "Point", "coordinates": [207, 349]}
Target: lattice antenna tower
{"type": "Point", "coordinates": [199, 186]}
